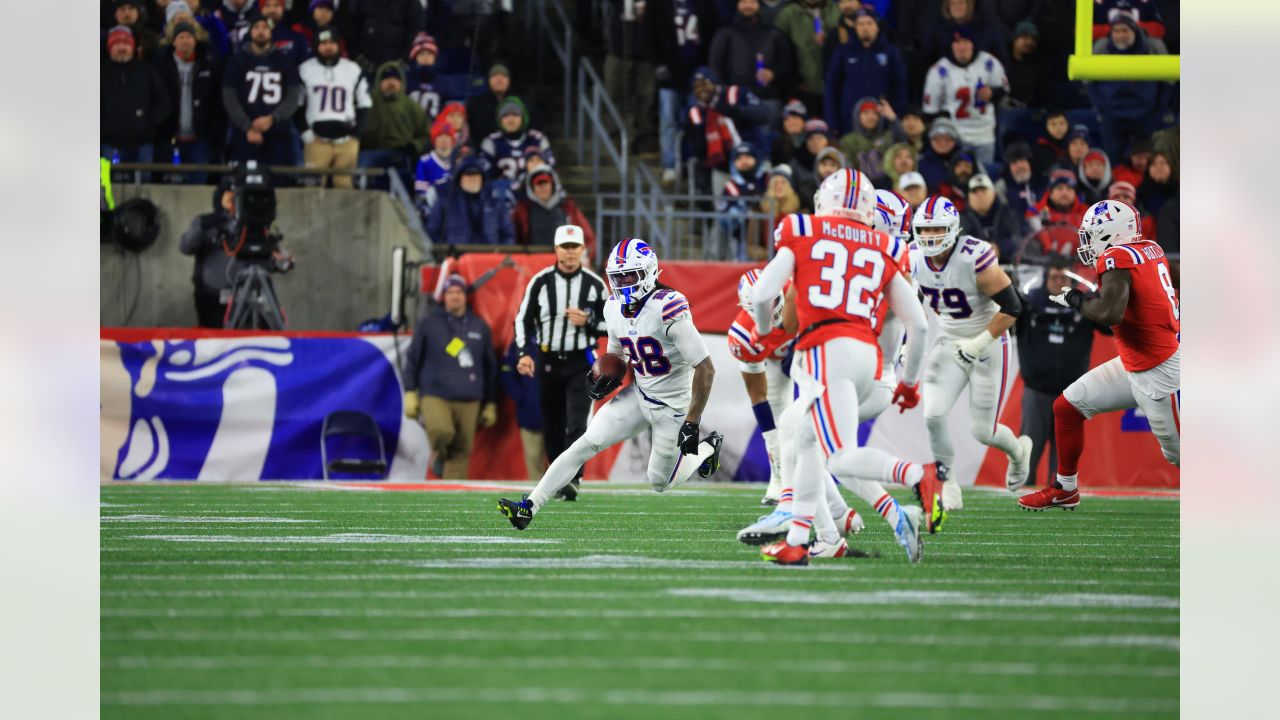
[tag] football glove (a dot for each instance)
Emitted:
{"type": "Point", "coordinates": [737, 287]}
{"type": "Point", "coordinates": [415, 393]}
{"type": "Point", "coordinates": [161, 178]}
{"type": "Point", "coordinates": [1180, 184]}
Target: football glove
{"type": "Point", "coordinates": [602, 386]}
{"type": "Point", "coordinates": [967, 351]}
{"type": "Point", "coordinates": [906, 396]}
{"type": "Point", "coordinates": [689, 438]}
{"type": "Point", "coordinates": [1071, 298]}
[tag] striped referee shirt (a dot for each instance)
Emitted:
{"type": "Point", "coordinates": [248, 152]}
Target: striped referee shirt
{"type": "Point", "coordinates": [541, 320]}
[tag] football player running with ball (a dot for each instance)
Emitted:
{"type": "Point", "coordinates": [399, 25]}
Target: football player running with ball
{"type": "Point", "coordinates": [1138, 297]}
{"type": "Point", "coordinates": [842, 269]}
{"type": "Point", "coordinates": [976, 304]}
{"type": "Point", "coordinates": [673, 374]}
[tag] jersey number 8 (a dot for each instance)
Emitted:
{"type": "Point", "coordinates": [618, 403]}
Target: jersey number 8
{"type": "Point", "coordinates": [646, 356]}
{"type": "Point", "coordinates": [835, 259]}
{"type": "Point", "coordinates": [1167, 282]}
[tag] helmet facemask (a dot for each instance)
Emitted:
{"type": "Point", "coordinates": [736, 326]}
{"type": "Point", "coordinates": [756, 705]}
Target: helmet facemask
{"type": "Point", "coordinates": [931, 242]}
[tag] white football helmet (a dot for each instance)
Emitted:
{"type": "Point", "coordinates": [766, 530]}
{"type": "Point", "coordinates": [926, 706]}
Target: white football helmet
{"type": "Point", "coordinates": [632, 269]}
{"type": "Point", "coordinates": [893, 215]}
{"type": "Point", "coordinates": [745, 285]}
{"type": "Point", "coordinates": [1106, 224]}
{"type": "Point", "coordinates": [846, 193]}
{"type": "Point", "coordinates": [936, 212]}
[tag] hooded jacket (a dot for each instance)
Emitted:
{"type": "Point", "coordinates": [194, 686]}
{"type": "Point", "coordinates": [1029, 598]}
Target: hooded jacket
{"type": "Point", "coordinates": [739, 186]}
{"type": "Point", "coordinates": [236, 22]}
{"type": "Point", "coordinates": [1048, 151]}
{"type": "Point", "coordinates": [1092, 192]}
{"type": "Point", "coordinates": [134, 102]}
{"type": "Point", "coordinates": [1001, 227]}
{"type": "Point", "coordinates": [807, 179]}
{"type": "Point", "coordinates": [857, 72]}
{"type": "Point", "coordinates": [736, 47]}
{"type": "Point", "coordinates": [1129, 100]}
{"type": "Point", "coordinates": [936, 168]}
{"type": "Point", "coordinates": [459, 217]}
{"type": "Point", "coordinates": [536, 221]}
{"type": "Point", "coordinates": [866, 149]}
{"type": "Point", "coordinates": [207, 118]}
{"type": "Point", "coordinates": [887, 168]}
{"type": "Point", "coordinates": [203, 240]}
{"type": "Point", "coordinates": [397, 122]}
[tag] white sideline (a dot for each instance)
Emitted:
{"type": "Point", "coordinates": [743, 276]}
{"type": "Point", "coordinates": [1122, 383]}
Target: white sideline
{"type": "Point", "coordinates": [932, 597]}
{"type": "Point", "coordinates": [349, 538]}
{"type": "Point", "coordinates": [201, 519]}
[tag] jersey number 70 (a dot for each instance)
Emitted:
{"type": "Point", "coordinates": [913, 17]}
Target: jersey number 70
{"type": "Point", "coordinates": [854, 293]}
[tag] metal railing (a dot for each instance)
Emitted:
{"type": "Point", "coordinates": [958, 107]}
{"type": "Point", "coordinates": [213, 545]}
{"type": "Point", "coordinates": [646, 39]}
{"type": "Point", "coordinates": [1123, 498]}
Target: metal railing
{"type": "Point", "coordinates": [559, 40]}
{"type": "Point", "coordinates": [595, 111]}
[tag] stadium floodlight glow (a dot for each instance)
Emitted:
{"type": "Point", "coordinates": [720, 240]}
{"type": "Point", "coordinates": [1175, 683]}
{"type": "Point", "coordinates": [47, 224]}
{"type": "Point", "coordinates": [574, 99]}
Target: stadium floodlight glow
{"type": "Point", "coordinates": [397, 285]}
{"type": "Point", "coordinates": [1084, 65]}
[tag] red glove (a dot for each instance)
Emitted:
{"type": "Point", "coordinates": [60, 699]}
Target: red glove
{"type": "Point", "coordinates": [906, 396]}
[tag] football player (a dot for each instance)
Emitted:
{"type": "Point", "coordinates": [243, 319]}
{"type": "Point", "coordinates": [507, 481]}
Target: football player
{"type": "Point", "coordinates": [976, 304]}
{"type": "Point", "coordinates": [841, 268]}
{"type": "Point", "coordinates": [1138, 297]}
{"type": "Point", "coordinates": [673, 373]}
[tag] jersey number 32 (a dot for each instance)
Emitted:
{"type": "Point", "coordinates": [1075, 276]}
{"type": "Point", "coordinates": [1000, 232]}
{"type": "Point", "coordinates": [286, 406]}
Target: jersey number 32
{"type": "Point", "coordinates": [838, 288]}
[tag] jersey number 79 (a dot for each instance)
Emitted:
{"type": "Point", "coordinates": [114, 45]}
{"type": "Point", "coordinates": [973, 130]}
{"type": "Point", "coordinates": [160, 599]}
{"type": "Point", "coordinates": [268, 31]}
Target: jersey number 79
{"type": "Point", "coordinates": [854, 292]}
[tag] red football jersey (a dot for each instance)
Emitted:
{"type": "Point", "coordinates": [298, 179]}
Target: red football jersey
{"type": "Point", "coordinates": [842, 268]}
{"type": "Point", "coordinates": [1148, 333]}
{"type": "Point", "coordinates": [772, 346]}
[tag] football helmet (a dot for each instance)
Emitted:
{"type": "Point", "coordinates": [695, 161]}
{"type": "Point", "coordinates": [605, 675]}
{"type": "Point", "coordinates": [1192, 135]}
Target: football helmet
{"type": "Point", "coordinates": [893, 215]}
{"type": "Point", "coordinates": [846, 193]}
{"type": "Point", "coordinates": [936, 212]}
{"type": "Point", "coordinates": [632, 269]}
{"type": "Point", "coordinates": [745, 285]}
{"type": "Point", "coordinates": [1106, 224]}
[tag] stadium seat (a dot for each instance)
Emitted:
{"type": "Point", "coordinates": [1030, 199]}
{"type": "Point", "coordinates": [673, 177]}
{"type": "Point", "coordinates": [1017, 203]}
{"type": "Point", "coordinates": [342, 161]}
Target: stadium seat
{"type": "Point", "coordinates": [352, 424]}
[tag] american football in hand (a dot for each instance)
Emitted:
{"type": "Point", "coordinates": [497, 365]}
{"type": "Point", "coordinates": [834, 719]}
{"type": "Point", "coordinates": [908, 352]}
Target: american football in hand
{"type": "Point", "coordinates": [608, 365]}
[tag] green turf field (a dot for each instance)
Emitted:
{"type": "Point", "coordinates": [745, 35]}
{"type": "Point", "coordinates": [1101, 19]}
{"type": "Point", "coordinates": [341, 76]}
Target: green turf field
{"type": "Point", "coordinates": [288, 602]}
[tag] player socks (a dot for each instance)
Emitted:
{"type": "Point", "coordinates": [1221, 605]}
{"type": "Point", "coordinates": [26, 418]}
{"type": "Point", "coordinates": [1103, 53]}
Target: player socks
{"type": "Point", "coordinates": [1066, 482]}
{"type": "Point", "coordinates": [888, 509]}
{"type": "Point", "coordinates": [1068, 425]}
{"type": "Point", "coordinates": [784, 500]}
{"type": "Point", "coordinates": [901, 472]}
{"type": "Point", "coordinates": [801, 523]}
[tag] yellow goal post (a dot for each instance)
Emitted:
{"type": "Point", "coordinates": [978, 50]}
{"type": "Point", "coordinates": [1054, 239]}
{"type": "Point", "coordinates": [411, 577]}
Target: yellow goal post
{"type": "Point", "coordinates": [1084, 65]}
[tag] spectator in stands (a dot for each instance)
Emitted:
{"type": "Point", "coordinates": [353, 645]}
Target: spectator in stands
{"type": "Point", "coordinates": [260, 91]}
{"type": "Point", "coordinates": [134, 100]}
{"type": "Point", "coordinates": [1128, 109]}
{"type": "Point", "coordinates": [469, 211]}
{"type": "Point", "coordinates": [966, 85]}
{"type": "Point", "coordinates": [816, 139]}
{"type": "Point", "coordinates": [789, 142]}
{"type": "Point", "coordinates": [1078, 145]}
{"type": "Point", "coordinates": [133, 15]}
{"type": "Point", "coordinates": [451, 379]}
{"type": "Point", "coordinates": [1051, 146]}
{"type": "Point", "coordinates": [1144, 13]}
{"type": "Point", "coordinates": [719, 119]}
{"type": "Point", "coordinates": [867, 65]}
{"type": "Point", "coordinates": [454, 115]}
{"type": "Point", "coordinates": [524, 392]}
{"type": "Point", "coordinates": [337, 109]}
{"type": "Point", "coordinates": [1018, 185]}
{"type": "Point", "coordinates": [628, 70]}
{"type": "Point", "coordinates": [382, 32]}
{"type": "Point", "coordinates": [780, 200]}
{"type": "Point", "coordinates": [320, 13]}
{"type": "Point", "coordinates": [397, 131]}
{"type": "Point", "coordinates": [1135, 167]}
{"type": "Point", "coordinates": [914, 128]}
{"type": "Point", "coordinates": [960, 16]}
{"type": "Point", "coordinates": [420, 79]}
{"type": "Point", "coordinates": [235, 16]}
{"type": "Point", "coordinates": [1056, 220]}
{"type": "Point", "coordinates": [679, 35]}
{"type": "Point", "coordinates": [990, 218]}
{"type": "Point", "coordinates": [545, 207]}
{"type": "Point", "coordinates": [1054, 346]}
{"type": "Point", "coordinates": [745, 179]}
{"type": "Point", "coordinates": [193, 81]}
{"type": "Point", "coordinates": [482, 109]}
{"type": "Point", "coordinates": [1029, 77]}
{"type": "Point", "coordinates": [753, 54]}
{"type": "Point", "coordinates": [807, 23]}
{"type": "Point", "coordinates": [286, 39]}
{"type": "Point", "coordinates": [1159, 186]}
{"type": "Point", "coordinates": [204, 240]}
{"type": "Point", "coordinates": [214, 33]}
{"type": "Point", "coordinates": [913, 188]}
{"type": "Point", "coordinates": [1125, 192]}
{"type": "Point", "coordinates": [1094, 176]}
{"type": "Point", "coordinates": [829, 161]}
{"type": "Point", "coordinates": [434, 167]}
{"type": "Point", "coordinates": [503, 151]}
{"type": "Point", "coordinates": [935, 161]}
{"type": "Point", "coordinates": [874, 132]}
{"type": "Point", "coordinates": [962, 168]}
{"type": "Point", "coordinates": [899, 159]}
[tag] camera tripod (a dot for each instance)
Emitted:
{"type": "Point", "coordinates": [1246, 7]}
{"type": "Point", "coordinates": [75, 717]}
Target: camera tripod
{"type": "Point", "coordinates": [254, 305]}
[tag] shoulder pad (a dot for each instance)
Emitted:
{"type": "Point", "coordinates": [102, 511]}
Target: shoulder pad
{"type": "Point", "coordinates": [1118, 256]}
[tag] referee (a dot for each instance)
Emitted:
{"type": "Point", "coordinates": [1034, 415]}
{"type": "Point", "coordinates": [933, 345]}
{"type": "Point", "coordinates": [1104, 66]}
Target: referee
{"type": "Point", "coordinates": [562, 314]}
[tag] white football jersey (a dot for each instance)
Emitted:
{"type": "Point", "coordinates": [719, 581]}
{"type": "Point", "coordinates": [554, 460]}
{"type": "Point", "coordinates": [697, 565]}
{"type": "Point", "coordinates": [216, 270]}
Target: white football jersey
{"type": "Point", "coordinates": [951, 288]}
{"type": "Point", "coordinates": [334, 91]}
{"type": "Point", "coordinates": [953, 89]}
{"type": "Point", "coordinates": [661, 344]}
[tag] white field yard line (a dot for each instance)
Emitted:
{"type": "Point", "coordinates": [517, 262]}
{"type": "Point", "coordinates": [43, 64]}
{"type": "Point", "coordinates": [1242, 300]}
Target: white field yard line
{"type": "Point", "coordinates": [948, 598]}
{"type": "Point", "coordinates": [202, 519]}
{"type": "Point", "coordinates": [1168, 643]}
{"type": "Point", "coordinates": [350, 539]}
{"type": "Point", "coordinates": [579, 662]}
{"type": "Point", "coordinates": [319, 696]}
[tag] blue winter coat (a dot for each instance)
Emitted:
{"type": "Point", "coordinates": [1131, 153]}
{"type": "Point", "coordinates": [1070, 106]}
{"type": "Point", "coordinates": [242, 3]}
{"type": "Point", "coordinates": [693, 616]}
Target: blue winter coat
{"type": "Point", "coordinates": [523, 390]}
{"type": "Point", "coordinates": [458, 217]}
{"type": "Point", "coordinates": [855, 72]}
{"type": "Point", "coordinates": [1129, 100]}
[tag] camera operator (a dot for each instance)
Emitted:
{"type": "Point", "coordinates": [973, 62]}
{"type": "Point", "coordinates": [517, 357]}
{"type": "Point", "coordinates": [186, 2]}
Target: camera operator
{"type": "Point", "coordinates": [203, 239]}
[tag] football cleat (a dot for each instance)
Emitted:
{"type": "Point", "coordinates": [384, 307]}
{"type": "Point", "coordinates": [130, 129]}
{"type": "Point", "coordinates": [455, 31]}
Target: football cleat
{"type": "Point", "coordinates": [712, 463]}
{"type": "Point", "coordinates": [819, 549]}
{"type": "Point", "coordinates": [766, 528]}
{"type": "Point", "coordinates": [772, 493]}
{"type": "Point", "coordinates": [853, 523]}
{"type": "Point", "coordinates": [929, 493]}
{"type": "Point", "coordinates": [1020, 467]}
{"type": "Point", "coordinates": [519, 513]}
{"type": "Point", "coordinates": [568, 493]}
{"type": "Point", "coordinates": [952, 497]}
{"type": "Point", "coordinates": [908, 532]}
{"type": "Point", "coordinates": [1050, 497]}
{"type": "Point", "coordinates": [784, 554]}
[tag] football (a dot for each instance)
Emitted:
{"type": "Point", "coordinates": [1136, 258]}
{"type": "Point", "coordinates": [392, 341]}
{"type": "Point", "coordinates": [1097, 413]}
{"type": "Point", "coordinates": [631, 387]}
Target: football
{"type": "Point", "coordinates": [610, 365]}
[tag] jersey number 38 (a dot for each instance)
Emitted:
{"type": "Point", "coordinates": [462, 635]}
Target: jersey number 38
{"type": "Point", "coordinates": [856, 292]}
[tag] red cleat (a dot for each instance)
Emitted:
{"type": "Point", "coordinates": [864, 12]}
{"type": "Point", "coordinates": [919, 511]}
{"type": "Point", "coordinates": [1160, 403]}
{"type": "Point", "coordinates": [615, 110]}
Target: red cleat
{"type": "Point", "coordinates": [929, 492]}
{"type": "Point", "coordinates": [1050, 497]}
{"type": "Point", "coordinates": [784, 554]}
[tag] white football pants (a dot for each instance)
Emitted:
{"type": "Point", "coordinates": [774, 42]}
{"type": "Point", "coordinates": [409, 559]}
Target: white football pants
{"type": "Point", "coordinates": [988, 378]}
{"type": "Point", "coordinates": [1110, 387]}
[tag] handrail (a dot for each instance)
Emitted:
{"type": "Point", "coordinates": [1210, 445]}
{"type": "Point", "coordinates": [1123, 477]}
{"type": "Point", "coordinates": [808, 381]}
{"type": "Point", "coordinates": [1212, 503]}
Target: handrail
{"type": "Point", "coordinates": [412, 218]}
{"type": "Point", "coordinates": [594, 106]}
{"type": "Point", "coordinates": [561, 44]}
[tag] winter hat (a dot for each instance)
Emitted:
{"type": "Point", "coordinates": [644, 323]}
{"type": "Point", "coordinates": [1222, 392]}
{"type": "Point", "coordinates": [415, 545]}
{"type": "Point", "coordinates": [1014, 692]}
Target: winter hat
{"type": "Point", "coordinates": [703, 73]}
{"type": "Point", "coordinates": [423, 41]}
{"type": "Point", "coordinates": [443, 128]}
{"type": "Point", "coordinates": [1078, 131]}
{"type": "Point", "coordinates": [816, 125]}
{"type": "Point", "coordinates": [795, 107]}
{"type": "Point", "coordinates": [261, 18]}
{"type": "Point", "coordinates": [962, 32]}
{"type": "Point", "coordinates": [175, 7]}
{"type": "Point", "coordinates": [119, 34]}
{"type": "Point", "coordinates": [1017, 151]}
{"type": "Point", "coordinates": [1121, 188]}
{"type": "Point", "coordinates": [263, 3]}
{"type": "Point", "coordinates": [455, 281]}
{"type": "Point", "coordinates": [783, 170]}
{"type": "Point", "coordinates": [184, 27]}
{"type": "Point", "coordinates": [1142, 145]}
{"type": "Point", "coordinates": [1122, 19]}
{"type": "Point", "coordinates": [470, 164]}
{"type": "Point", "coordinates": [498, 69]}
{"type": "Point", "coordinates": [1026, 27]}
{"type": "Point", "coordinates": [964, 156]}
{"type": "Point", "coordinates": [943, 126]}
{"type": "Point", "coordinates": [510, 106]}
{"type": "Point", "coordinates": [1062, 177]}
{"type": "Point", "coordinates": [136, 3]}
{"type": "Point", "coordinates": [911, 179]}
{"type": "Point", "coordinates": [542, 176]}
{"type": "Point", "coordinates": [324, 34]}
{"type": "Point", "coordinates": [980, 181]}
{"type": "Point", "coordinates": [743, 149]}
{"type": "Point", "coordinates": [868, 104]}
{"type": "Point", "coordinates": [1096, 154]}
{"type": "Point", "coordinates": [311, 6]}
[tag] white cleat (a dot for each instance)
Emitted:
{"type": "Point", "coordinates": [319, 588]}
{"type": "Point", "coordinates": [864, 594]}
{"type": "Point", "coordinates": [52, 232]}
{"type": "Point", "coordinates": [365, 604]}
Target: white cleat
{"type": "Point", "coordinates": [772, 493]}
{"type": "Point", "coordinates": [1019, 467]}
{"type": "Point", "coordinates": [908, 531]}
{"type": "Point", "coordinates": [853, 523]}
{"type": "Point", "coordinates": [952, 498]}
{"type": "Point", "coordinates": [819, 550]}
{"type": "Point", "coordinates": [766, 529]}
